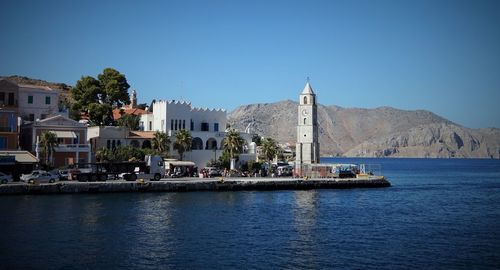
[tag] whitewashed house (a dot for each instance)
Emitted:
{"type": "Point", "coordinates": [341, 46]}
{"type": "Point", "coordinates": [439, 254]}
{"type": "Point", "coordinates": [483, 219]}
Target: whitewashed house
{"type": "Point", "coordinates": [39, 102]}
{"type": "Point", "coordinates": [207, 127]}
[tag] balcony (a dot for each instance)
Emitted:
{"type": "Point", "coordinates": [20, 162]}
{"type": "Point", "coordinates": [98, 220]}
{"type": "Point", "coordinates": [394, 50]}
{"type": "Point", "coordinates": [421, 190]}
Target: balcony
{"type": "Point", "coordinates": [72, 148]}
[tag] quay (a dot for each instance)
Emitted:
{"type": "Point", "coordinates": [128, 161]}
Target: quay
{"type": "Point", "coordinates": [193, 184]}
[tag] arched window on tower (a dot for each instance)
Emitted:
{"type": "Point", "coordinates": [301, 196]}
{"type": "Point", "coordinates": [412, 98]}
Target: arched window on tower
{"type": "Point", "coordinates": [305, 121]}
{"type": "Point", "coordinates": [305, 100]}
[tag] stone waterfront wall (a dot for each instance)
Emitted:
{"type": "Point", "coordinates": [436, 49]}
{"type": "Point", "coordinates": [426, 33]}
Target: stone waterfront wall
{"type": "Point", "coordinates": [191, 185]}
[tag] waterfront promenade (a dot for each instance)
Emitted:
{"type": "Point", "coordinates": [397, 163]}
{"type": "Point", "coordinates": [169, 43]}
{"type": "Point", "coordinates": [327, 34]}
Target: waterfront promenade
{"type": "Point", "coordinates": [193, 184]}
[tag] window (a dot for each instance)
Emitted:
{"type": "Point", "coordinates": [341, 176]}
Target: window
{"type": "Point", "coordinates": [2, 98]}
{"type": "Point", "coordinates": [192, 125]}
{"type": "Point", "coordinates": [150, 125]}
{"type": "Point", "coordinates": [305, 100]}
{"type": "Point", "coordinates": [108, 144]}
{"type": "Point", "coordinates": [30, 99]}
{"type": "Point", "coordinates": [47, 100]}
{"type": "Point", "coordinates": [305, 120]}
{"type": "Point", "coordinates": [172, 124]}
{"type": "Point", "coordinates": [175, 124]}
{"type": "Point", "coordinates": [3, 143]}
{"type": "Point", "coordinates": [216, 127]}
{"type": "Point", "coordinates": [43, 116]}
{"type": "Point", "coordinates": [11, 99]}
{"type": "Point", "coordinates": [204, 126]}
{"type": "Point", "coordinates": [183, 124]}
{"type": "Point", "coordinates": [31, 117]}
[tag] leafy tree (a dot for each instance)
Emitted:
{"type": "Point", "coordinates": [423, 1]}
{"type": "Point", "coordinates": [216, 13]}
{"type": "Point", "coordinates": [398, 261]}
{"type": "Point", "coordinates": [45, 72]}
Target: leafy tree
{"type": "Point", "coordinates": [257, 139]}
{"type": "Point", "coordinates": [122, 153]}
{"type": "Point", "coordinates": [129, 120]}
{"type": "Point", "coordinates": [48, 142]}
{"type": "Point", "coordinates": [75, 111]}
{"type": "Point", "coordinates": [114, 87]}
{"type": "Point", "coordinates": [142, 106]}
{"type": "Point", "coordinates": [269, 150]}
{"type": "Point", "coordinates": [225, 160]}
{"type": "Point", "coordinates": [86, 91]}
{"type": "Point", "coordinates": [233, 143]}
{"type": "Point", "coordinates": [253, 165]}
{"type": "Point", "coordinates": [103, 154]}
{"type": "Point", "coordinates": [127, 153]}
{"type": "Point", "coordinates": [97, 97]}
{"type": "Point", "coordinates": [100, 114]}
{"type": "Point", "coordinates": [183, 142]}
{"type": "Point", "coordinates": [161, 143]}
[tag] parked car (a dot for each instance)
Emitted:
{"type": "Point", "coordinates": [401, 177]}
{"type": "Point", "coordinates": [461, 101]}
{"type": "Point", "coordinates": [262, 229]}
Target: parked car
{"type": "Point", "coordinates": [63, 174]}
{"type": "Point", "coordinates": [26, 177]}
{"type": "Point", "coordinates": [5, 178]}
{"type": "Point", "coordinates": [43, 177]}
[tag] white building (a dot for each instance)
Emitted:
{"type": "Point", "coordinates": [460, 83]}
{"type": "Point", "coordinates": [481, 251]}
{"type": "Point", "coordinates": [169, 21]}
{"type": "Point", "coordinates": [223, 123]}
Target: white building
{"type": "Point", "coordinates": [110, 137]}
{"type": "Point", "coordinates": [207, 127]}
{"type": "Point", "coordinates": [38, 102]}
{"type": "Point", "coordinates": [307, 149]}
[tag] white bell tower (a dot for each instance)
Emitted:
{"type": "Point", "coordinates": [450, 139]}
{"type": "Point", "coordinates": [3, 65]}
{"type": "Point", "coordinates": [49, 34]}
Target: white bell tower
{"type": "Point", "coordinates": [133, 99]}
{"type": "Point", "coordinates": [307, 150]}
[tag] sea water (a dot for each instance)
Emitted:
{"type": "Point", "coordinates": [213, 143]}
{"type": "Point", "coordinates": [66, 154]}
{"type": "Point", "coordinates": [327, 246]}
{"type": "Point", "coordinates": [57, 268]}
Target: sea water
{"type": "Point", "coordinates": [438, 214]}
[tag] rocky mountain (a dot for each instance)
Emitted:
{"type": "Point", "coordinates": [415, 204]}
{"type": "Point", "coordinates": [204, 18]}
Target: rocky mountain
{"type": "Point", "coordinates": [25, 80]}
{"type": "Point", "coordinates": [64, 94]}
{"type": "Point", "coordinates": [380, 132]}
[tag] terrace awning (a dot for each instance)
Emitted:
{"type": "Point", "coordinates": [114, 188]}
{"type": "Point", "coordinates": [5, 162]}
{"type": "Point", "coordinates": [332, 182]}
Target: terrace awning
{"type": "Point", "coordinates": [65, 134]}
{"type": "Point", "coordinates": [12, 157]}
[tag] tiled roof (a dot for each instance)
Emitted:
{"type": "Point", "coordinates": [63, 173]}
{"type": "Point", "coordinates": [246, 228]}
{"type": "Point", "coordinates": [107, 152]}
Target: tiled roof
{"type": "Point", "coordinates": [141, 134]}
{"type": "Point", "coordinates": [132, 111]}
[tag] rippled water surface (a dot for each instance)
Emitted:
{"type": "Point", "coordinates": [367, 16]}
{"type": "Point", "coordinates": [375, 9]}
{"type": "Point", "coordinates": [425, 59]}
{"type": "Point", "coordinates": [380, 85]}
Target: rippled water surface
{"type": "Point", "coordinates": [439, 214]}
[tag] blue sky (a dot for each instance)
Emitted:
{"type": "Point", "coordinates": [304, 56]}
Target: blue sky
{"type": "Point", "coordinates": [442, 56]}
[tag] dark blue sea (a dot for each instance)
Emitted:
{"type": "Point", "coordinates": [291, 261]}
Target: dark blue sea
{"type": "Point", "coordinates": [438, 214]}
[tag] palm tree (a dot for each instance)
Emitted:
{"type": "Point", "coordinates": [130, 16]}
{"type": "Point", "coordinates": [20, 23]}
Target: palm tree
{"type": "Point", "coordinates": [161, 142]}
{"type": "Point", "coordinates": [183, 142]}
{"type": "Point", "coordinates": [48, 142]}
{"type": "Point", "coordinates": [233, 143]}
{"type": "Point", "coordinates": [269, 150]}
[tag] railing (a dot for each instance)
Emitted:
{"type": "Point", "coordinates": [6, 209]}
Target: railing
{"type": "Point", "coordinates": [72, 147]}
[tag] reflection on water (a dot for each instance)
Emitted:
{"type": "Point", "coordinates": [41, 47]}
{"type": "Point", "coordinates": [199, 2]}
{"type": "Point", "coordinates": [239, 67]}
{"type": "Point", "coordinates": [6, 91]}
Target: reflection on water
{"type": "Point", "coordinates": [150, 225]}
{"type": "Point", "coordinates": [305, 210]}
{"type": "Point", "coordinates": [304, 213]}
{"type": "Point", "coordinates": [90, 214]}
{"type": "Point", "coordinates": [434, 216]}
